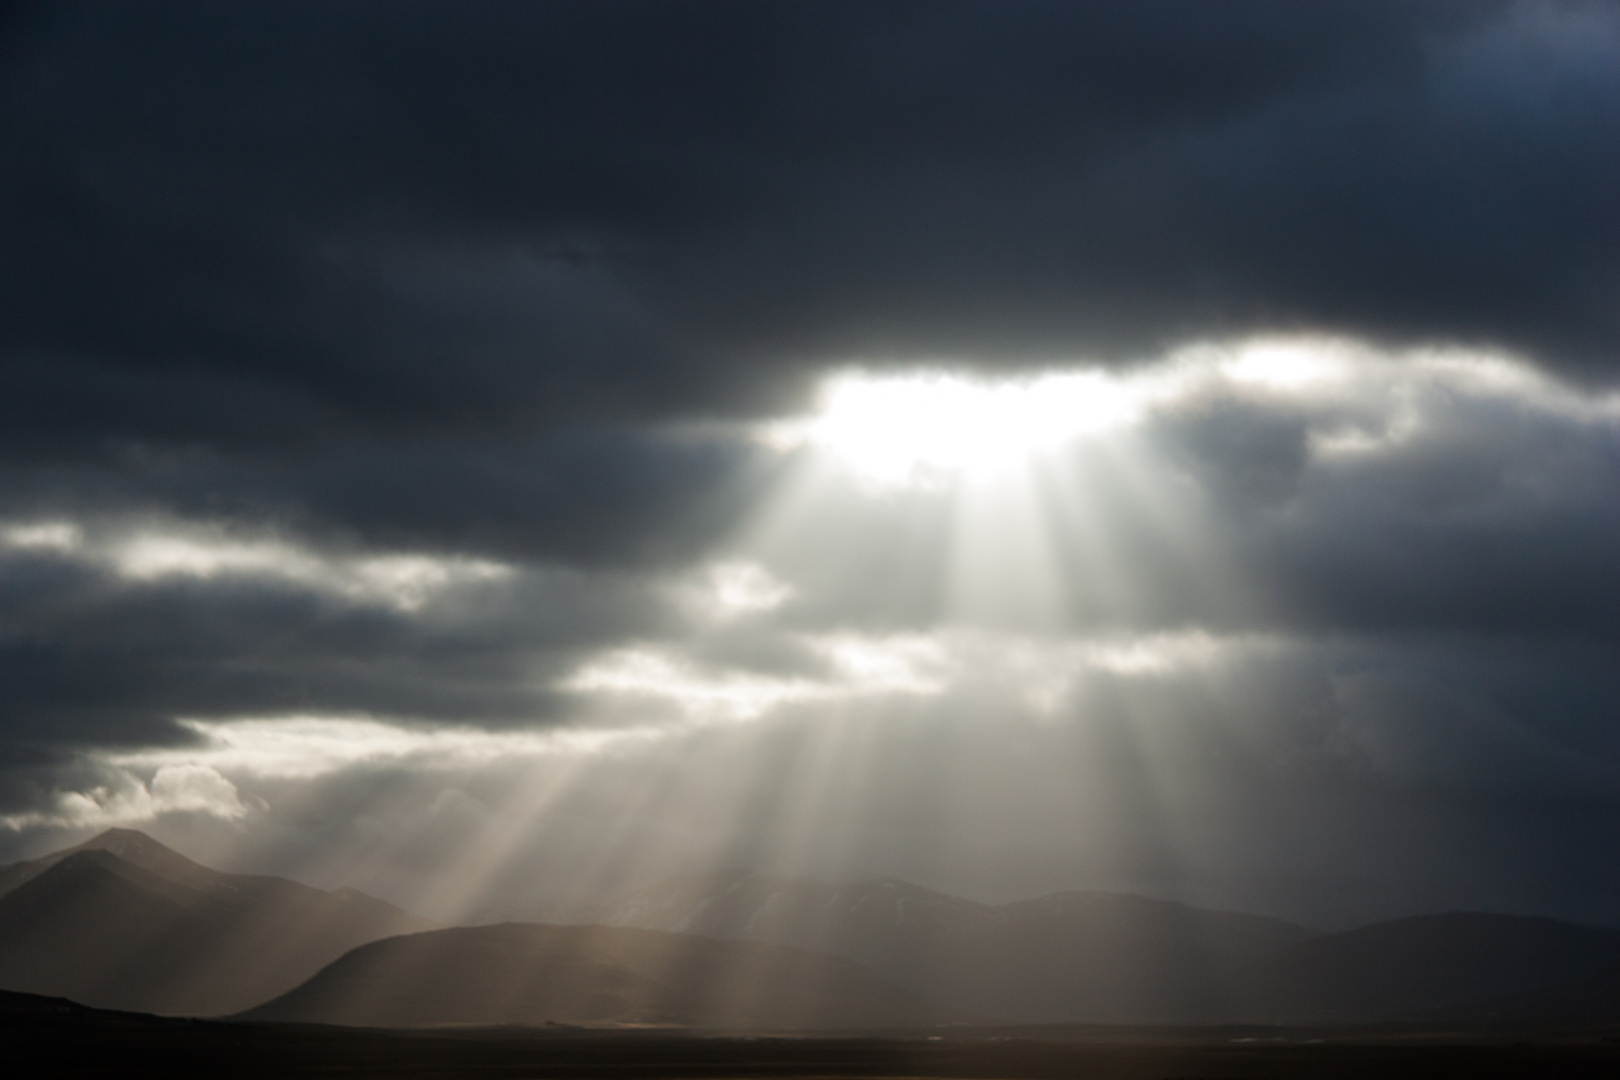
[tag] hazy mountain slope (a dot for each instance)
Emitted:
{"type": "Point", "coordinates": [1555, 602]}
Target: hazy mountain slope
{"type": "Point", "coordinates": [1102, 956]}
{"type": "Point", "coordinates": [1424, 963]}
{"type": "Point", "coordinates": [124, 923]}
{"type": "Point", "coordinates": [1069, 956]}
{"type": "Point", "coordinates": [129, 845]}
{"type": "Point", "coordinates": [531, 974]}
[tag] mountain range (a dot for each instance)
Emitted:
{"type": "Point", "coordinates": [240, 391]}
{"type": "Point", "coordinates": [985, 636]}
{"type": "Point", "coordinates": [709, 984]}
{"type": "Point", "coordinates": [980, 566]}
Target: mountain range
{"type": "Point", "coordinates": [123, 922]}
{"type": "Point", "coordinates": [1075, 955]}
{"type": "Point", "coordinates": [1116, 958]}
{"type": "Point", "coordinates": [526, 973]}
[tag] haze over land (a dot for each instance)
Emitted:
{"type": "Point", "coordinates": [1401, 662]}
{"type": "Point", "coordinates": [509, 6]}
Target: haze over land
{"type": "Point", "coordinates": [507, 458]}
{"type": "Point", "coordinates": [123, 922]}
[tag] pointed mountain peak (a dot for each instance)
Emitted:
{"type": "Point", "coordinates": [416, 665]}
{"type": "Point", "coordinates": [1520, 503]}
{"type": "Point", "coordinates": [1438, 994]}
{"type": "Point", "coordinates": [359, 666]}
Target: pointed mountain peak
{"type": "Point", "coordinates": [128, 845]}
{"type": "Point", "coordinates": [116, 837]}
{"type": "Point", "coordinates": [122, 840]}
{"type": "Point", "coordinates": [136, 847]}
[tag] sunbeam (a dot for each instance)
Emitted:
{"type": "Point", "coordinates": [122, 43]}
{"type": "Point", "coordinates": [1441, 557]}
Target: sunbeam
{"type": "Point", "coordinates": [829, 513]}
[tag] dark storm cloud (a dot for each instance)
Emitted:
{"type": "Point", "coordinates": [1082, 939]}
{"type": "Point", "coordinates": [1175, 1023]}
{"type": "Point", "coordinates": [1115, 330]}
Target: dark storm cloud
{"type": "Point", "coordinates": [586, 496]}
{"type": "Point", "coordinates": [258, 225]}
{"type": "Point", "coordinates": [1492, 514]}
{"type": "Point", "coordinates": [91, 657]}
{"type": "Point", "coordinates": [281, 233]}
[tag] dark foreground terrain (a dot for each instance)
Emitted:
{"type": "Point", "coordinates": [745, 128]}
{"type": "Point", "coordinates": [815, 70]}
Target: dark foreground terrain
{"type": "Point", "coordinates": [52, 1037]}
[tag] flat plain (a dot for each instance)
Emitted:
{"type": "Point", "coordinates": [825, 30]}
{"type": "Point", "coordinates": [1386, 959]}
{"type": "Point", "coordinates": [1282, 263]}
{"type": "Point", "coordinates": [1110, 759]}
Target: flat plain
{"type": "Point", "coordinates": [58, 1038]}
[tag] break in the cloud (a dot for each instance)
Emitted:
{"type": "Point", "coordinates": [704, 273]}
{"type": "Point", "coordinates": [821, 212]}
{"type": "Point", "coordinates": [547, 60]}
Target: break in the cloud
{"type": "Point", "coordinates": [1162, 446]}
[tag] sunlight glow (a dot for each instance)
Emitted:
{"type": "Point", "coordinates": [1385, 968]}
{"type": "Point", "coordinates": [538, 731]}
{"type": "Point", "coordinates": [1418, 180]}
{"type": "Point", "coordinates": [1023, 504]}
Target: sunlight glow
{"type": "Point", "coordinates": [927, 428]}
{"type": "Point", "coordinates": [904, 663]}
{"type": "Point", "coordinates": [1289, 365]}
{"type": "Point", "coordinates": [933, 428]}
{"type": "Point", "coordinates": [650, 683]}
{"type": "Point", "coordinates": [700, 695]}
{"type": "Point", "coordinates": [856, 667]}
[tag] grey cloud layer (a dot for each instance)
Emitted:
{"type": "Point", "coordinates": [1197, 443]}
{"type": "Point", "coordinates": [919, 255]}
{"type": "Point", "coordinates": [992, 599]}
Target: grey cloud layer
{"type": "Point", "coordinates": [507, 282]}
{"type": "Point", "coordinates": [1445, 507]}
{"type": "Point", "coordinates": [90, 656]}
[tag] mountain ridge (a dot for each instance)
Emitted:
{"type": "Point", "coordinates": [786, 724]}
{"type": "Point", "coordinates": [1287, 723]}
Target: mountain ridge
{"type": "Point", "coordinates": [1096, 956]}
{"type": "Point", "coordinates": [123, 922]}
{"type": "Point", "coordinates": [130, 845]}
{"type": "Point", "coordinates": [1065, 956]}
{"type": "Point", "coordinates": [535, 974]}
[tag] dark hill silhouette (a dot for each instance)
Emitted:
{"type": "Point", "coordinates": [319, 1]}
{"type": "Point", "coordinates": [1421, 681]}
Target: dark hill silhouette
{"type": "Point", "coordinates": [1591, 1001]}
{"type": "Point", "coordinates": [122, 922]}
{"type": "Point", "coordinates": [526, 973]}
{"type": "Point", "coordinates": [1420, 964]}
{"type": "Point", "coordinates": [1073, 956]}
{"type": "Point", "coordinates": [54, 1037]}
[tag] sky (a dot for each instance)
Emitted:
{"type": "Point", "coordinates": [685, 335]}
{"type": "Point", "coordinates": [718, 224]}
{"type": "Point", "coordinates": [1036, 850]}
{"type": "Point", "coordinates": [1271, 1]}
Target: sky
{"type": "Point", "coordinates": [498, 455]}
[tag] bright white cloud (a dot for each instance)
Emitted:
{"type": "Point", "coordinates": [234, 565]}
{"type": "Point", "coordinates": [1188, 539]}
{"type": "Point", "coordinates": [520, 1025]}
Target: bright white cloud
{"type": "Point", "coordinates": [1027, 672]}
{"type": "Point", "coordinates": [893, 664]}
{"type": "Point", "coordinates": [306, 746]}
{"type": "Point", "coordinates": [151, 553]}
{"type": "Point", "coordinates": [733, 589]}
{"type": "Point", "coordinates": [197, 778]}
{"type": "Point", "coordinates": [926, 428]}
{"type": "Point", "coordinates": [124, 799]}
{"type": "Point", "coordinates": [61, 536]}
{"type": "Point", "coordinates": [1288, 365]}
{"type": "Point", "coordinates": [857, 667]}
{"type": "Point", "coordinates": [929, 428]}
{"type": "Point", "coordinates": [655, 677]}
